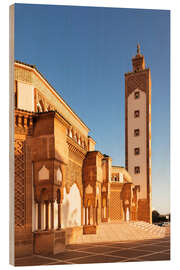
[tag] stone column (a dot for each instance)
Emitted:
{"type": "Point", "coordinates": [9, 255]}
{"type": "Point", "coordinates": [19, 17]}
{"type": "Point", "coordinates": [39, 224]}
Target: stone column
{"type": "Point", "coordinates": [107, 209]}
{"type": "Point", "coordinates": [52, 215]}
{"type": "Point", "coordinates": [47, 215]}
{"type": "Point", "coordinates": [85, 215]}
{"type": "Point", "coordinates": [89, 215]}
{"type": "Point", "coordinates": [19, 121]}
{"type": "Point", "coordinates": [39, 215]}
{"type": "Point", "coordinates": [25, 121]}
{"type": "Point", "coordinates": [102, 213]}
{"type": "Point", "coordinates": [97, 215]}
{"type": "Point", "coordinates": [94, 215]}
{"type": "Point", "coordinates": [59, 216]}
{"type": "Point", "coordinates": [82, 214]}
{"type": "Point", "coordinates": [31, 122]}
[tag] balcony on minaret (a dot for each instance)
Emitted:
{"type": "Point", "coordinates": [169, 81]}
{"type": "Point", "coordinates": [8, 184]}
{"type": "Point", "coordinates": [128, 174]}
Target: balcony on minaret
{"type": "Point", "coordinates": [138, 61]}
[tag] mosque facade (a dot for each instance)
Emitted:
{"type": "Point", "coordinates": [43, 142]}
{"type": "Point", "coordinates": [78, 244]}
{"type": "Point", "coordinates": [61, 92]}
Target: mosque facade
{"type": "Point", "coordinates": [64, 187]}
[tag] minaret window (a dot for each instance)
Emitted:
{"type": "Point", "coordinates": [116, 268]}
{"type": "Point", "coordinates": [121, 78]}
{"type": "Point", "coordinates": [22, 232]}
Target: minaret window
{"type": "Point", "coordinates": [136, 94]}
{"type": "Point", "coordinates": [137, 151]}
{"type": "Point", "coordinates": [136, 169]}
{"type": "Point", "coordinates": [136, 132]}
{"type": "Point", "coordinates": [136, 114]}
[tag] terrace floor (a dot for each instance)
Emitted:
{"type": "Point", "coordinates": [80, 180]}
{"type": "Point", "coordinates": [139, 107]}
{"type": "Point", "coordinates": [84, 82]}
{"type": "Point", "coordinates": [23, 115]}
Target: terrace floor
{"type": "Point", "coordinates": [107, 252]}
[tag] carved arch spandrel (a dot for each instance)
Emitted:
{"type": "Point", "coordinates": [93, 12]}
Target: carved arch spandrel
{"type": "Point", "coordinates": [136, 82]}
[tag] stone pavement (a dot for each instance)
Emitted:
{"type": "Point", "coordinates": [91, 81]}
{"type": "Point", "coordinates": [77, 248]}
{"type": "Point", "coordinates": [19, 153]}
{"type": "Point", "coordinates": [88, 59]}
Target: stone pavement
{"type": "Point", "coordinates": [106, 252]}
{"type": "Point", "coordinates": [123, 231]}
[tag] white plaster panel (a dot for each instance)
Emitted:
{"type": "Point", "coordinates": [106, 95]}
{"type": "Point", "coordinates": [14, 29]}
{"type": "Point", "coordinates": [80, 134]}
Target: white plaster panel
{"type": "Point", "coordinates": [43, 173]}
{"type": "Point", "coordinates": [25, 96]}
{"type": "Point", "coordinates": [137, 141]}
{"type": "Point", "coordinates": [71, 208]}
{"type": "Point", "coordinates": [59, 175]}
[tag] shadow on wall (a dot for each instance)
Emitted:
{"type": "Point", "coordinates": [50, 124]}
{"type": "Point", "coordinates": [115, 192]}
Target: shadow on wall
{"type": "Point", "coordinates": [65, 213]}
{"type": "Point", "coordinates": [71, 208]}
{"type": "Point", "coordinates": [73, 218]}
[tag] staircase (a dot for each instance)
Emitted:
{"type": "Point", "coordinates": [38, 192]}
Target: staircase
{"type": "Point", "coordinates": [124, 231]}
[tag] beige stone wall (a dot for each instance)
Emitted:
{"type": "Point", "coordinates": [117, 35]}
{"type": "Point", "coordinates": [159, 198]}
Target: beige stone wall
{"type": "Point", "coordinates": [25, 98]}
{"type": "Point", "coordinates": [61, 147]}
{"type": "Point", "coordinates": [137, 141]}
{"type": "Point", "coordinates": [122, 173]}
{"type": "Point", "coordinates": [29, 75]}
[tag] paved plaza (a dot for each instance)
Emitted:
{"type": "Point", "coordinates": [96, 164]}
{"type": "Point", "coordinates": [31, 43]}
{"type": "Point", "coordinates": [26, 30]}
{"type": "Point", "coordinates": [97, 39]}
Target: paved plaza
{"type": "Point", "coordinates": [107, 252]}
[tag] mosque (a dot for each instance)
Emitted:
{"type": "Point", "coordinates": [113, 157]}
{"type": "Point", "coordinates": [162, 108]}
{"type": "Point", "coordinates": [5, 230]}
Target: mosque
{"type": "Point", "coordinates": [64, 187]}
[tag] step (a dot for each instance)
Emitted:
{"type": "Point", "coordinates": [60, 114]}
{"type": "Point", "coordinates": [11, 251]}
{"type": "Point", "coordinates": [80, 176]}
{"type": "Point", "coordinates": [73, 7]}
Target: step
{"type": "Point", "coordinates": [123, 231]}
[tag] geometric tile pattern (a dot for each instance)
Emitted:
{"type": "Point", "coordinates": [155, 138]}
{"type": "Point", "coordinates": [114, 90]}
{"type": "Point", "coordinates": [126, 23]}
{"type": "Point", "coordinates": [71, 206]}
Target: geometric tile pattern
{"type": "Point", "coordinates": [19, 184]}
{"type": "Point", "coordinates": [107, 252]}
{"type": "Point", "coordinates": [134, 82]}
{"type": "Point", "coordinates": [115, 204]}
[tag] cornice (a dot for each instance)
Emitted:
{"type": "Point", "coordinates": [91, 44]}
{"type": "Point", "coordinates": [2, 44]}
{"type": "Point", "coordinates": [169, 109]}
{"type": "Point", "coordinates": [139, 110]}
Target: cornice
{"type": "Point", "coordinates": [76, 148]}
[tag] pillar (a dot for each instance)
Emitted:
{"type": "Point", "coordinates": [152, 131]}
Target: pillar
{"type": "Point", "coordinates": [39, 215]}
{"type": "Point", "coordinates": [25, 121]}
{"type": "Point", "coordinates": [82, 214]}
{"type": "Point", "coordinates": [94, 215]}
{"type": "Point", "coordinates": [107, 209]}
{"type": "Point", "coordinates": [102, 213]}
{"type": "Point", "coordinates": [59, 216]}
{"type": "Point", "coordinates": [52, 215]}
{"type": "Point", "coordinates": [85, 215]}
{"type": "Point", "coordinates": [89, 216]}
{"type": "Point", "coordinates": [47, 215]}
{"type": "Point", "coordinates": [19, 120]}
{"type": "Point", "coordinates": [97, 215]}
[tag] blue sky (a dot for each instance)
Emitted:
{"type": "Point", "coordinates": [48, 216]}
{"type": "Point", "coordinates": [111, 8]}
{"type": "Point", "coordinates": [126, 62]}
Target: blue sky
{"type": "Point", "coordinates": [84, 52]}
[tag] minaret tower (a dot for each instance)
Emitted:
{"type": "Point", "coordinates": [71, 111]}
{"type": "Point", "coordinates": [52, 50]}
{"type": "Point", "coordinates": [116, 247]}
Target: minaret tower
{"type": "Point", "coordinates": [138, 132]}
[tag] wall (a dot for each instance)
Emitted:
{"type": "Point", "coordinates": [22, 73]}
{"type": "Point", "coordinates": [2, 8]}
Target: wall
{"type": "Point", "coordinates": [137, 141]}
{"type": "Point", "coordinates": [71, 208]}
{"type": "Point", "coordinates": [25, 96]}
{"type": "Point", "coordinates": [116, 207]}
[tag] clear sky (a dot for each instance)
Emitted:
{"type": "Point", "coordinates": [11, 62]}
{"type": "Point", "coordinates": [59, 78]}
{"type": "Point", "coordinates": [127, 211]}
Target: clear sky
{"type": "Point", "coordinates": [84, 52]}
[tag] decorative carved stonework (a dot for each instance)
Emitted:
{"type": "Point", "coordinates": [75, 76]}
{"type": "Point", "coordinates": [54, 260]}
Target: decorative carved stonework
{"type": "Point", "coordinates": [42, 104]}
{"type": "Point", "coordinates": [73, 175]}
{"type": "Point", "coordinates": [74, 147]}
{"type": "Point", "coordinates": [136, 82]}
{"type": "Point", "coordinates": [19, 152]}
{"type": "Point", "coordinates": [23, 122]}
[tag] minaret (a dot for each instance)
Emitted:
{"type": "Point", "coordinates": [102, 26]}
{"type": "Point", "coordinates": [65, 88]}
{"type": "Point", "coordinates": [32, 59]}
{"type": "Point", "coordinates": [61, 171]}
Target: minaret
{"type": "Point", "coordinates": [138, 132]}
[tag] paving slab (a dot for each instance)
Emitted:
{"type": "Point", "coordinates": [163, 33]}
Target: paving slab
{"type": "Point", "coordinates": [105, 252]}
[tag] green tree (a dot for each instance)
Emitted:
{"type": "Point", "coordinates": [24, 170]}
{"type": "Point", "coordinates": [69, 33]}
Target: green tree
{"type": "Point", "coordinates": [155, 216]}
